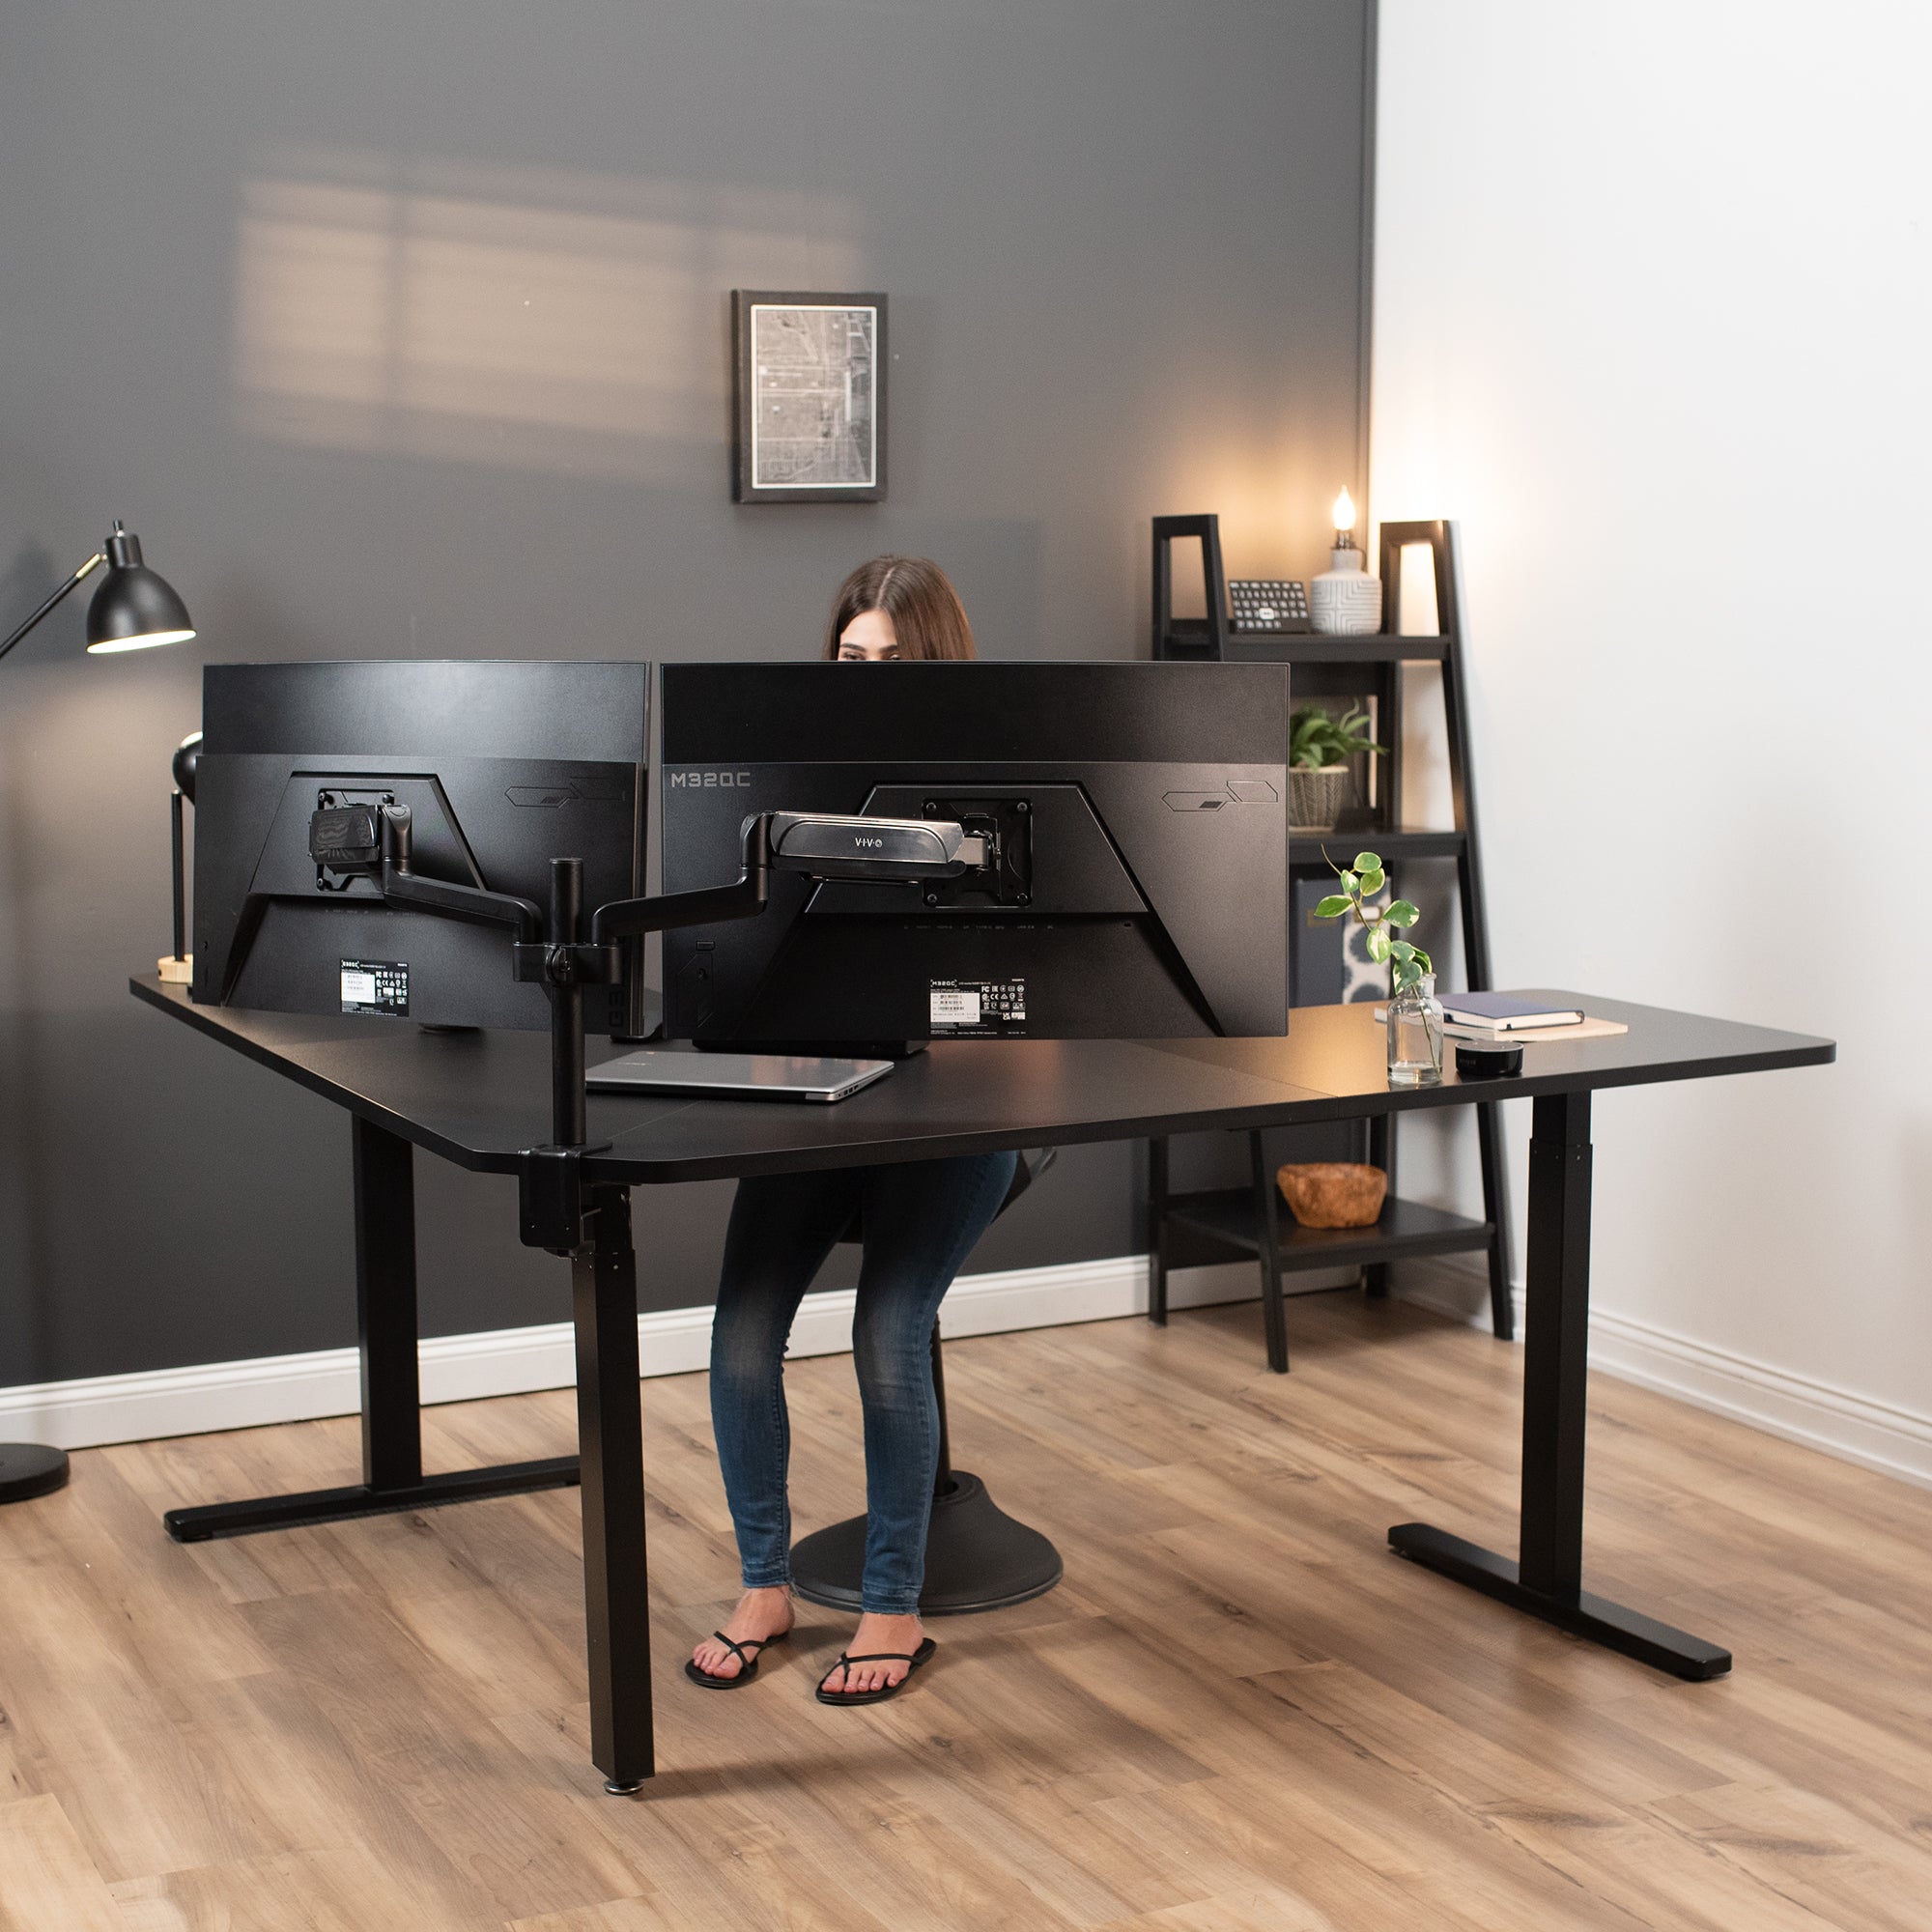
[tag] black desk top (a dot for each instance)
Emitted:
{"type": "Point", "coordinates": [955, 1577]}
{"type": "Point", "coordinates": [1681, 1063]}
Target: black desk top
{"type": "Point", "coordinates": [479, 1099]}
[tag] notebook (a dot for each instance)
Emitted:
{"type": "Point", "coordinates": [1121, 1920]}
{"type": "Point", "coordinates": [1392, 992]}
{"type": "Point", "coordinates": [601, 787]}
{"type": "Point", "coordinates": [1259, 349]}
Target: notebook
{"type": "Point", "coordinates": [1504, 1013]}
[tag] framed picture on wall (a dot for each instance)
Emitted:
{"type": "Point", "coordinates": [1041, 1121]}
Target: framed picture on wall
{"type": "Point", "coordinates": [808, 397]}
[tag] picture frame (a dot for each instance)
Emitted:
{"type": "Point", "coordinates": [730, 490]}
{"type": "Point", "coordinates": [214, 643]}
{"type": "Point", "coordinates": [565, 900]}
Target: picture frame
{"type": "Point", "coordinates": [808, 397]}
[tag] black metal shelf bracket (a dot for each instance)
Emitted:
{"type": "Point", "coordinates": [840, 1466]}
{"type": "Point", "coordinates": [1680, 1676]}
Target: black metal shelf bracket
{"type": "Point", "coordinates": [1380, 656]}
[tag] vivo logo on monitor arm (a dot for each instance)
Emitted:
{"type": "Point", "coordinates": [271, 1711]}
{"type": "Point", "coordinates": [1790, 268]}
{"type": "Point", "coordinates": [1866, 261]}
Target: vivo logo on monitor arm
{"type": "Point", "coordinates": [869, 845]}
{"type": "Point", "coordinates": [707, 780]}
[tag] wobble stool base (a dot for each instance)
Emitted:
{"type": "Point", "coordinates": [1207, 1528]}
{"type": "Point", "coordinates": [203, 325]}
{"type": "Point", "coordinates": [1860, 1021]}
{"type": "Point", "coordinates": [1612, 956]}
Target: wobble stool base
{"type": "Point", "coordinates": [976, 1557]}
{"type": "Point", "coordinates": [30, 1470]}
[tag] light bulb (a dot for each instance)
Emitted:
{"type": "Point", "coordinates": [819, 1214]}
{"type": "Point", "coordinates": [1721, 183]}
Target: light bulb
{"type": "Point", "coordinates": [1345, 512]}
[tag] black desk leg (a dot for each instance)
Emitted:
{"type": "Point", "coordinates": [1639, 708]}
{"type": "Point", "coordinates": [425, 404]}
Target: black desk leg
{"type": "Point", "coordinates": [609, 1435]}
{"type": "Point", "coordinates": [1495, 1204]}
{"type": "Point", "coordinates": [1156, 1231]}
{"type": "Point", "coordinates": [1268, 1234]}
{"type": "Point", "coordinates": [386, 1322]}
{"type": "Point", "coordinates": [1548, 1580]}
{"type": "Point", "coordinates": [1381, 1154]}
{"type": "Point", "coordinates": [385, 1307]}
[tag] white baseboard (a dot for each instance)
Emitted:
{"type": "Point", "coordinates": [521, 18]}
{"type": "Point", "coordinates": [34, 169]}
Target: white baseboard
{"type": "Point", "coordinates": [1800, 1409]}
{"type": "Point", "coordinates": [512, 1361]}
{"type": "Point", "coordinates": [1875, 1434]}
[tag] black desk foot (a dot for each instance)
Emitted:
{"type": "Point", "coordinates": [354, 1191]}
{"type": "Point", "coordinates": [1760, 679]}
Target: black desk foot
{"type": "Point", "coordinates": [977, 1558]}
{"type": "Point", "coordinates": [208, 1520]}
{"type": "Point", "coordinates": [1602, 1622]}
{"type": "Point", "coordinates": [618, 1790]}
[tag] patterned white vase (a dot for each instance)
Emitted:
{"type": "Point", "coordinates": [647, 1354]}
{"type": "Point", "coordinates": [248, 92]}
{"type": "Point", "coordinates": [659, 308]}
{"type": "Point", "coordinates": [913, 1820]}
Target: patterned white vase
{"type": "Point", "coordinates": [1345, 601]}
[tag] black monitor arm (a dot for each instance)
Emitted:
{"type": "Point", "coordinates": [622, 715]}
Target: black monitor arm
{"type": "Point", "coordinates": [745, 896]}
{"type": "Point", "coordinates": [401, 885]}
{"type": "Point", "coordinates": [552, 952]}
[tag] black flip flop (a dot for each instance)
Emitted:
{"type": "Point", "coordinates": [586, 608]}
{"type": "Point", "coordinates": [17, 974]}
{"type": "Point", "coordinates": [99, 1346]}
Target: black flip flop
{"type": "Point", "coordinates": [879, 1697]}
{"type": "Point", "coordinates": [748, 1666]}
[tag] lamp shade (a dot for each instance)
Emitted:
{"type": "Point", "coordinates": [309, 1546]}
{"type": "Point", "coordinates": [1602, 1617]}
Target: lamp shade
{"type": "Point", "coordinates": [134, 608]}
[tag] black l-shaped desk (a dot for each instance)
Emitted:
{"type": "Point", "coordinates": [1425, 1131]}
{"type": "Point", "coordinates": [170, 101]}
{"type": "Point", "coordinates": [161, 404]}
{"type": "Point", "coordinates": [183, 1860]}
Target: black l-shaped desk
{"type": "Point", "coordinates": [481, 1099]}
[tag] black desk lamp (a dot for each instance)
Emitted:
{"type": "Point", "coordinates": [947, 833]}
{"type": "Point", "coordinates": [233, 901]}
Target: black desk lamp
{"type": "Point", "coordinates": [132, 610]}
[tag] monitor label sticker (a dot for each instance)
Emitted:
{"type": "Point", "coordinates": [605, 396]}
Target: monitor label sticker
{"type": "Point", "coordinates": [375, 987]}
{"type": "Point", "coordinates": [976, 1007]}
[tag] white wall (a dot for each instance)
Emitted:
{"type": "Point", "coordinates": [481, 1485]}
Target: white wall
{"type": "Point", "coordinates": [1654, 322]}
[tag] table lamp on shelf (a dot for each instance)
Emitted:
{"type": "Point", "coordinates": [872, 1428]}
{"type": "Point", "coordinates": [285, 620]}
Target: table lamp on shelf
{"type": "Point", "coordinates": [132, 610]}
{"type": "Point", "coordinates": [1345, 601]}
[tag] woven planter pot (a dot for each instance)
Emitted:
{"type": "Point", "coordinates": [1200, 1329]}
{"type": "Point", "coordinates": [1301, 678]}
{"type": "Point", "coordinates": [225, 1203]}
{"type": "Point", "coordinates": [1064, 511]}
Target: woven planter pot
{"type": "Point", "coordinates": [1316, 800]}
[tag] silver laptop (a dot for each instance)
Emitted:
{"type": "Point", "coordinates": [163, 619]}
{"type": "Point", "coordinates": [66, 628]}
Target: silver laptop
{"type": "Point", "coordinates": [743, 1076]}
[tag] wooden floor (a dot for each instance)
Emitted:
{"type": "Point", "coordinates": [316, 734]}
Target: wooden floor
{"type": "Point", "coordinates": [1237, 1712]}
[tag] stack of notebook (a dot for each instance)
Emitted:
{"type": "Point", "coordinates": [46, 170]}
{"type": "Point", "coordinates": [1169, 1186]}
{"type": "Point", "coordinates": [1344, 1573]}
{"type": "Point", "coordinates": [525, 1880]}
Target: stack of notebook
{"type": "Point", "coordinates": [1507, 1018]}
{"type": "Point", "coordinates": [1503, 1014]}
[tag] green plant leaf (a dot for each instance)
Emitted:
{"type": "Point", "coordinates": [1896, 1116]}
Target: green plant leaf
{"type": "Point", "coordinates": [1423, 961]}
{"type": "Point", "coordinates": [1333, 906]}
{"type": "Point", "coordinates": [1378, 946]}
{"type": "Point", "coordinates": [1373, 883]}
{"type": "Point", "coordinates": [1348, 883]}
{"type": "Point", "coordinates": [1316, 739]}
{"type": "Point", "coordinates": [1401, 948]}
{"type": "Point", "coordinates": [1401, 913]}
{"type": "Point", "coordinates": [1368, 862]}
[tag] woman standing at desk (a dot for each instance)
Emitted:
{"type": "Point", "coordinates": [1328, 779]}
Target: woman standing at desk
{"type": "Point", "coordinates": [920, 1220]}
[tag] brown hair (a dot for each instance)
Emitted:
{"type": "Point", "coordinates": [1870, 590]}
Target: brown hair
{"type": "Point", "coordinates": [928, 618]}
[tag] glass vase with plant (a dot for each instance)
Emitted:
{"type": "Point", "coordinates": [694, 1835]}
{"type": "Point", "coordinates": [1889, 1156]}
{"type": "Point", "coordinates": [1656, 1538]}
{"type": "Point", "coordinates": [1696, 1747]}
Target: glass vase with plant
{"type": "Point", "coordinates": [1319, 750]}
{"type": "Point", "coordinates": [1414, 1020]}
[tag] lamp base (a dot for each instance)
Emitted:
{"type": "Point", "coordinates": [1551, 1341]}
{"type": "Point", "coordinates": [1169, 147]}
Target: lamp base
{"type": "Point", "coordinates": [977, 1558]}
{"type": "Point", "coordinates": [31, 1469]}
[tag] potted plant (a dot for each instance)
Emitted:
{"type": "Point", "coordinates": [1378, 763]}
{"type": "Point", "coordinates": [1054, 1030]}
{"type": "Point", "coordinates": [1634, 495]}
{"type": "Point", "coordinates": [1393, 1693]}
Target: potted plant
{"type": "Point", "coordinates": [1415, 1018]}
{"type": "Point", "coordinates": [1319, 750]}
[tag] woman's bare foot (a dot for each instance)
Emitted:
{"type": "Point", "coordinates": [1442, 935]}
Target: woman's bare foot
{"type": "Point", "coordinates": [760, 1616]}
{"type": "Point", "coordinates": [894, 1636]}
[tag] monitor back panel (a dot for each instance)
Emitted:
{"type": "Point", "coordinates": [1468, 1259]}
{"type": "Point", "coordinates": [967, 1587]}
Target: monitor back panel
{"type": "Point", "coordinates": [1142, 816]}
{"type": "Point", "coordinates": [504, 766]}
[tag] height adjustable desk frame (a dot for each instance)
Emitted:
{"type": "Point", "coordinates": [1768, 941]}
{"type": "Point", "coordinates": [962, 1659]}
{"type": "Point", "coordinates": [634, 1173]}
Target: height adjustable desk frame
{"type": "Point", "coordinates": [477, 1101]}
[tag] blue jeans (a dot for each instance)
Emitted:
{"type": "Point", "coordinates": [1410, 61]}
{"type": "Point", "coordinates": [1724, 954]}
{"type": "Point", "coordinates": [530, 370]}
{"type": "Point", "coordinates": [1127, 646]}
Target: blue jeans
{"type": "Point", "coordinates": [921, 1221]}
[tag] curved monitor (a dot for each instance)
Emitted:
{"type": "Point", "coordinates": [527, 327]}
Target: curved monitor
{"type": "Point", "coordinates": [503, 765]}
{"type": "Point", "coordinates": [1134, 827]}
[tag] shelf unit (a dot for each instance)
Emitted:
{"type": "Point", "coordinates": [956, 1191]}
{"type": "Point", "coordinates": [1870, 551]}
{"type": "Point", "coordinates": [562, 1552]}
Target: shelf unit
{"type": "Point", "coordinates": [1185, 1229]}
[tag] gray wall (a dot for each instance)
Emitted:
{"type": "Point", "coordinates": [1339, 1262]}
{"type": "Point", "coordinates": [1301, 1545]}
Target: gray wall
{"type": "Point", "coordinates": [401, 331]}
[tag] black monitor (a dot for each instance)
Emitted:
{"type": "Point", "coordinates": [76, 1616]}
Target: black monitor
{"type": "Point", "coordinates": [503, 767]}
{"type": "Point", "coordinates": [1136, 880]}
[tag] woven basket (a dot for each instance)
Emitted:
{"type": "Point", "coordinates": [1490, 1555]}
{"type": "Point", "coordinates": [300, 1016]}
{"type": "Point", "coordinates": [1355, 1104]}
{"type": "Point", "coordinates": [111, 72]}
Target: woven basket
{"type": "Point", "coordinates": [1333, 1193]}
{"type": "Point", "coordinates": [1316, 799]}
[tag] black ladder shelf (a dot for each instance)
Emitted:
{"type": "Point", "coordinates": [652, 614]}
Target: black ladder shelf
{"type": "Point", "coordinates": [1185, 1229]}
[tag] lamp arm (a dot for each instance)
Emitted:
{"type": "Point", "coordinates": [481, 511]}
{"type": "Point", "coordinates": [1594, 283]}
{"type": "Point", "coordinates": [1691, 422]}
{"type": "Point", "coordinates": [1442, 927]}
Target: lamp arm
{"type": "Point", "coordinates": [99, 557]}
